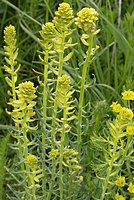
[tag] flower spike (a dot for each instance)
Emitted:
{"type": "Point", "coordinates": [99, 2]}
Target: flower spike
{"type": "Point", "coordinates": [63, 17]}
{"type": "Point", "coordinates": [86, 19]}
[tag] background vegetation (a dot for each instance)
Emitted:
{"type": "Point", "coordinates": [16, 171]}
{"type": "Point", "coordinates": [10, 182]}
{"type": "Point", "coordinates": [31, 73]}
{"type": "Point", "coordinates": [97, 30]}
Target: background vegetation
{"type": "Point", "coordinates": [111, 71]}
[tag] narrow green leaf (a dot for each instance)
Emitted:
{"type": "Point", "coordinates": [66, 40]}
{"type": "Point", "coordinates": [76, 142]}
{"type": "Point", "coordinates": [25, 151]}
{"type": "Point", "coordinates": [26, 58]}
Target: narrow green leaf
{"type": "Point", "coordinates": [68, 57]}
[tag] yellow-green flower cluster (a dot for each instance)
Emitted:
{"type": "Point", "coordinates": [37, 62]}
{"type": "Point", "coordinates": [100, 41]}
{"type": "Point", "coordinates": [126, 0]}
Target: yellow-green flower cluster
{"type": "Point", "coordinates": [26, 91]}
{"type": "Point", "coordinates": [124, 119]}
{"type": "Point", "coordinates": [11, 52]}
{"type": "Point", "coordinates": [130, 130]}
{"type": "Point", "coordinates": [63, 17]}
{"type": "Point", "coordinates": [86, 19]}
{"type": "Point", "coordinates": [53, 153]}
{"type": "Point", "coordinates": [32, 162]}
{"type": "Point", "coordinates": [64, 91]}
{"type": "Point", "coordinates": [131, 188]}
{"type": "Point", "coordinates": [125, 114]}
{"type": "Point", "coordinates": [119, 197]}
{"type": "Point", "coordinates": [120, 181]}
{"type": "Point", "coordinates": [25, 103]}
{"type": "Point", "coordinates": [70, 159]}
{"type": "Point", "coordinates": [116, 107]}
{"type": "Point", "coordinates": [10, 38]}
{"type": "Point", "coordinates": [128, 95]}
{"type": "Point", "coordinates": [47, 32]}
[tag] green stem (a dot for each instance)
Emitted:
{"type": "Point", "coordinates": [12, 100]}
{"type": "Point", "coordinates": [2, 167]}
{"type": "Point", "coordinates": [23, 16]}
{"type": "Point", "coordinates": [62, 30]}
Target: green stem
{"type": "Point", "coordinates": [34, 193]}
{"type": "Point", "coordinates": [125, 153]}
{"type": "Point", "coordinates": [61, 152]}
{"type": "Point", "coordinates": [24, 130]}
{"type": "Point", "coordinates": [25, 152]}
{"type": "Point", "coordinates": [70, 186]}
{"type": "Point", "coordinates": [109, 170]}
{"type": "Point", "coordinates": [82, 88]}
{"type": "Point", "coordinates": [61, 56]}
{"type": "Point", "coordinates": [13, 83]}
{"type": "Point", "coordinates": [44, 114]}
{"type": "Point", "coordinates": [31, 182]}
{"type": "Point", "coordinates": [52, 181]}
{"type": "Point", "coordinates": [33, 189]}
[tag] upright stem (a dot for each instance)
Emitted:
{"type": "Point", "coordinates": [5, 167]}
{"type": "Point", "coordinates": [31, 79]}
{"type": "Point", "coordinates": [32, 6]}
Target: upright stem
{"type": "Point", "coordinates": [25, 153]}
{"type": "Point", "coordinates": [84, 71]}
{"type": "Point", "coordinates": [129, 139]}
{"type": "Point", "coordinates": [13, 82]}
{"type": "Point", "coordinates": [61, 152]}
{"type": "Point", "coordinates": [44, 114]}
{"type": "Point", "coordinates": [109, 171]}
{"type": "Point", "coordinates": [61, 56]}
{"type": "Point", "coordinates": [33, 188]}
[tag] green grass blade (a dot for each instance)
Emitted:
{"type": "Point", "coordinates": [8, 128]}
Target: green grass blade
{"type": "Point", "coordinates": [21, 12]}
{"type": "Point", "coordinates": [3, 144]}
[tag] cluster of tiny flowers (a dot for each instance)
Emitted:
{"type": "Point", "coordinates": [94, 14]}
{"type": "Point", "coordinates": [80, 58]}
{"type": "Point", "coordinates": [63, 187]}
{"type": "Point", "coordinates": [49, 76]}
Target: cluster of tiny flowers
{"type": "Point", "coordinates": [63, 93]}
{"type": "Point", "coordinates": [119, 197]}
{"type": "Point", "coordinates": [26, 96]}
{"type": "Point", "coordinates": [26, 91]}
{"type": "Point", "coordinates": [130, 130]}
{"type": "Point", "coordinates": [32, 162]}
{"type": "Point", "coordinates": [64, 83]}
{"type": "Point", "coordinates": [131, 188]}
{"type": "Point", "coordinates": [86, 19]}
{"type": "Point", "coordinates": [126, 113]}
{"type": "Point", "coordinates": [63, 17]}
{"type": "Point", "coordinates": [128, 95]}
{"type": "Point", "coordinates": [9, 35]}
{"type": "Point", "coordinates": [116, 107]}
{"type": "Point", "coordinates": [120, 181]}
{"type": "Point", "coordinates": [11, 52]}
{"type": "Point", "coordinates": [48, 31]}
{"type": "Point", "coordinates": [53, 153]}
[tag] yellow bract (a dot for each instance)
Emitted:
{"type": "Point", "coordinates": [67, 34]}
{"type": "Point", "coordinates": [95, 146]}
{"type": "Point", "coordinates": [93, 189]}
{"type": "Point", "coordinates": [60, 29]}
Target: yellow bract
{"type": "Point", "coordinates": [131, 188]}
{"type": "Point", "coordinates": [119, 197]}
{"type": "Point", "coordinates": [126, 113]}
{"type": "Point", "coordinates": [120, 181]}
{"type": "Point", "coordinates": [130, 130]}
{"type": "Point", "coordinates": [116, 107]}
{"type": "Point", "coordinates": [128, 95]}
